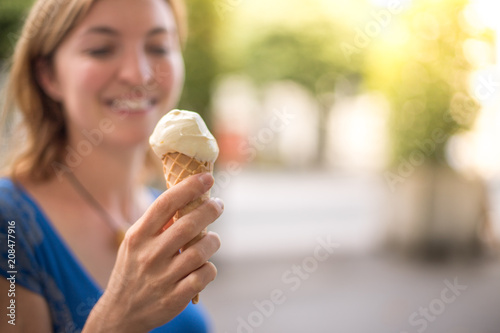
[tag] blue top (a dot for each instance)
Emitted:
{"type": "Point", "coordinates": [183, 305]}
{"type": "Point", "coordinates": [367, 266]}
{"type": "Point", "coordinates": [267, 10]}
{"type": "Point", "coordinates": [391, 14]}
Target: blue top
{"type": "Point", "coordinates": [45, 265]}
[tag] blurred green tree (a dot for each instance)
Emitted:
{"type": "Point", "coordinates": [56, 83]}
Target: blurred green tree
{"type": "Point", "coordinates": [202, 64]}
{"type": "Point", "coordinates": [423, 67]}
{"type": "Point", "coordinates": [423, 71]}
{"type": "Point", "coordinates": [307, 55]}
{"type": "Point", "coordinates": [12, 13]}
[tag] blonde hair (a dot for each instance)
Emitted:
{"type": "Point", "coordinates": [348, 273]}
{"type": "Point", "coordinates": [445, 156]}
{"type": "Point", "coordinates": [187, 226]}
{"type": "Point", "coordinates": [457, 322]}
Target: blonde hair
{"type": "Point", "coordinates": [42, 119]}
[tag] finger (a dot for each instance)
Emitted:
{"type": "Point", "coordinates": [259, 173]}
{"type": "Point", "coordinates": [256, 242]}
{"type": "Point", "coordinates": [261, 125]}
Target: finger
{"type": "Point", "coordinates": [195, 256]}
{"type": "Point", "coordinates": [170, 201]}
{"type": "Point", "coordinates": [190, 225]}
{"type": "Point", "coordinates": [195, 282]}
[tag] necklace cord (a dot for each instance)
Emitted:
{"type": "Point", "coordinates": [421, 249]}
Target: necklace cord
{"type": "Point", "coordinates": [82, 191]}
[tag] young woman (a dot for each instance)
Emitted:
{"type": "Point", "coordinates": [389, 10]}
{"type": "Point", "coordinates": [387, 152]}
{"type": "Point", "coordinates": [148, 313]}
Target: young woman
{"type": "Point", "coordinates": [91, 79]}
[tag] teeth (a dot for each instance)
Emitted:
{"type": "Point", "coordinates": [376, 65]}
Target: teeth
{"type": "Point", "coordinates": [131, 105]}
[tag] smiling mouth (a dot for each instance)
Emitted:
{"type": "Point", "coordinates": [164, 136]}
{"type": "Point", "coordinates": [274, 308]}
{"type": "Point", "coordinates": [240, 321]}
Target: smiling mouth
{"type": "Point", "coordinates": [132, 106]}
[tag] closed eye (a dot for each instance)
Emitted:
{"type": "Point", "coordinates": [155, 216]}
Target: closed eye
{"type": "Point", "coordinates": [158, 50]}
{"type": "Point", "coordinates": [100, 52]}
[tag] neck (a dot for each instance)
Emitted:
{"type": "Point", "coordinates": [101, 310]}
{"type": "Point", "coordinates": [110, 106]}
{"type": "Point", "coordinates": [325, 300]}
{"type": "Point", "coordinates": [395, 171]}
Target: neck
{"type": "Point", "coordinates": [112, 178]}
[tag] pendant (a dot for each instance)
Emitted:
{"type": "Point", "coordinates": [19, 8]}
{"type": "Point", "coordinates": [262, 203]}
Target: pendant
{"type": "Point", "coordinates": [120, 236]}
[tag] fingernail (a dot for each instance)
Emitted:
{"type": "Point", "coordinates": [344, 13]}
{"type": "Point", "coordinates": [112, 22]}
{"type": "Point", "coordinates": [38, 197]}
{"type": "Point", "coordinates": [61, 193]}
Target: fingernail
{"type": "Point", "coordinates": [219, 202]}
{"type": "Point", "coordinates": [207, 179]}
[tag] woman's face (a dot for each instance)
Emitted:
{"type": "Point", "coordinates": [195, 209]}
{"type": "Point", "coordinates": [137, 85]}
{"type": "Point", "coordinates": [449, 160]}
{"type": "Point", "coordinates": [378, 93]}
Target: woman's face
{"type": "Point", "coordinates": [123, 65]}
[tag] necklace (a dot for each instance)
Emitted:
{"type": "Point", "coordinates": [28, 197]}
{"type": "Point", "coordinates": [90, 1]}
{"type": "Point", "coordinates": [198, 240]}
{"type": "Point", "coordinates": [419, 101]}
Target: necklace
{"type": "Point", "coordinates": [85, 194]}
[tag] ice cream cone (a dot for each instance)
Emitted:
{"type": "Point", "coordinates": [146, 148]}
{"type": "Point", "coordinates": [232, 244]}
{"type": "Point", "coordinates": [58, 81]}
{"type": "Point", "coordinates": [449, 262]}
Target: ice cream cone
{"type": "Point", "coordinates": [177, 167]}
{"type": "Point", "coordinates": [186, 146]}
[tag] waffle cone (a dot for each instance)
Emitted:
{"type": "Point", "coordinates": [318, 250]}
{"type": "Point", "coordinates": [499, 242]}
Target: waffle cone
{"type": "Point", "coordinates": [176, 168]}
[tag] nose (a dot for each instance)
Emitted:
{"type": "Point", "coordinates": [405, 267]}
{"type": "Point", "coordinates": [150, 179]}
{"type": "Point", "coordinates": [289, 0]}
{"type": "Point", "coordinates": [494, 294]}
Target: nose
{"type": "Point", "coordinates": [136, 69]}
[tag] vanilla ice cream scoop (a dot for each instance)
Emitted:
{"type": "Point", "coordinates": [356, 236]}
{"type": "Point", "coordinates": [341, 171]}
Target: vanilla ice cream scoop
{"type": "Point", "coordinates": [184, 132]}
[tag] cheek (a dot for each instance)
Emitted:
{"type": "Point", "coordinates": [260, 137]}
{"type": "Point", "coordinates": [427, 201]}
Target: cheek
{"type": "Point", "coordinates": [178, 65]}
{"type": "Point", "coordinates": [81, 79]}
{"type": "Point", "coordinates": [91, 78]}
{"type": "Point", "coordinates": [170, 78]}
{"type": "Point", "coordinates": [81, 83]}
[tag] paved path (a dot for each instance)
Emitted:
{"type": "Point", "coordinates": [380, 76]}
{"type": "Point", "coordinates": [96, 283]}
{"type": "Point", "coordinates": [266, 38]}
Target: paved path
{"type": "Point", "coordinates": [274, 278]}
{"type": "Point", "coordinates": [355, 294]}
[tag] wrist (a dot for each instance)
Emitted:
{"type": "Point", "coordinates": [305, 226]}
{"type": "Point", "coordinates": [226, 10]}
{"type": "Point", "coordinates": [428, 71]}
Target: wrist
{"type": "Point", "coordinates": [107, 317]}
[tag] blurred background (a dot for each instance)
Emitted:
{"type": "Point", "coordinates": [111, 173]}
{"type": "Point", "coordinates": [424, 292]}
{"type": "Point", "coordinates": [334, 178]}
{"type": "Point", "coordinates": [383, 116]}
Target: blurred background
{"type": "Point", "coordinates": [360, 161]}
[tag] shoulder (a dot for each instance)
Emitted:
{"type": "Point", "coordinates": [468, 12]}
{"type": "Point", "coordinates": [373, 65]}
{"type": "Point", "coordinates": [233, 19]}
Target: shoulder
{"type": "Point", "coordinates": [7, 188]}
{"type": "Point", "coordinates": [19, 227]}
{"type": "Point", "coordinates": [10, 198]}
{"type": "Point", "coordinates": [13, 200]}
{"type": "Point", "coordinates": [16, 208]}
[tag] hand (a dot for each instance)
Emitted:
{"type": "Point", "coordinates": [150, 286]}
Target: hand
{"type": "Point", "coordinates": [152, 282]}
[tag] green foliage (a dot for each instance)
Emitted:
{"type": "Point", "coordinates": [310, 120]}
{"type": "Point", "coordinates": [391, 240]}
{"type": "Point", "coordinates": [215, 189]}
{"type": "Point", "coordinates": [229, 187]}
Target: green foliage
{"type": "Point", "coordinates": [426, 79]}
{"type": "Point", "coordinates": [301, 55]}
{"type": "Point", "coordinates": [199, 57]}
{"type": "Point", "coordinates": [308, 55]}
{"type": "Point", "coordinates": [12, 13]}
